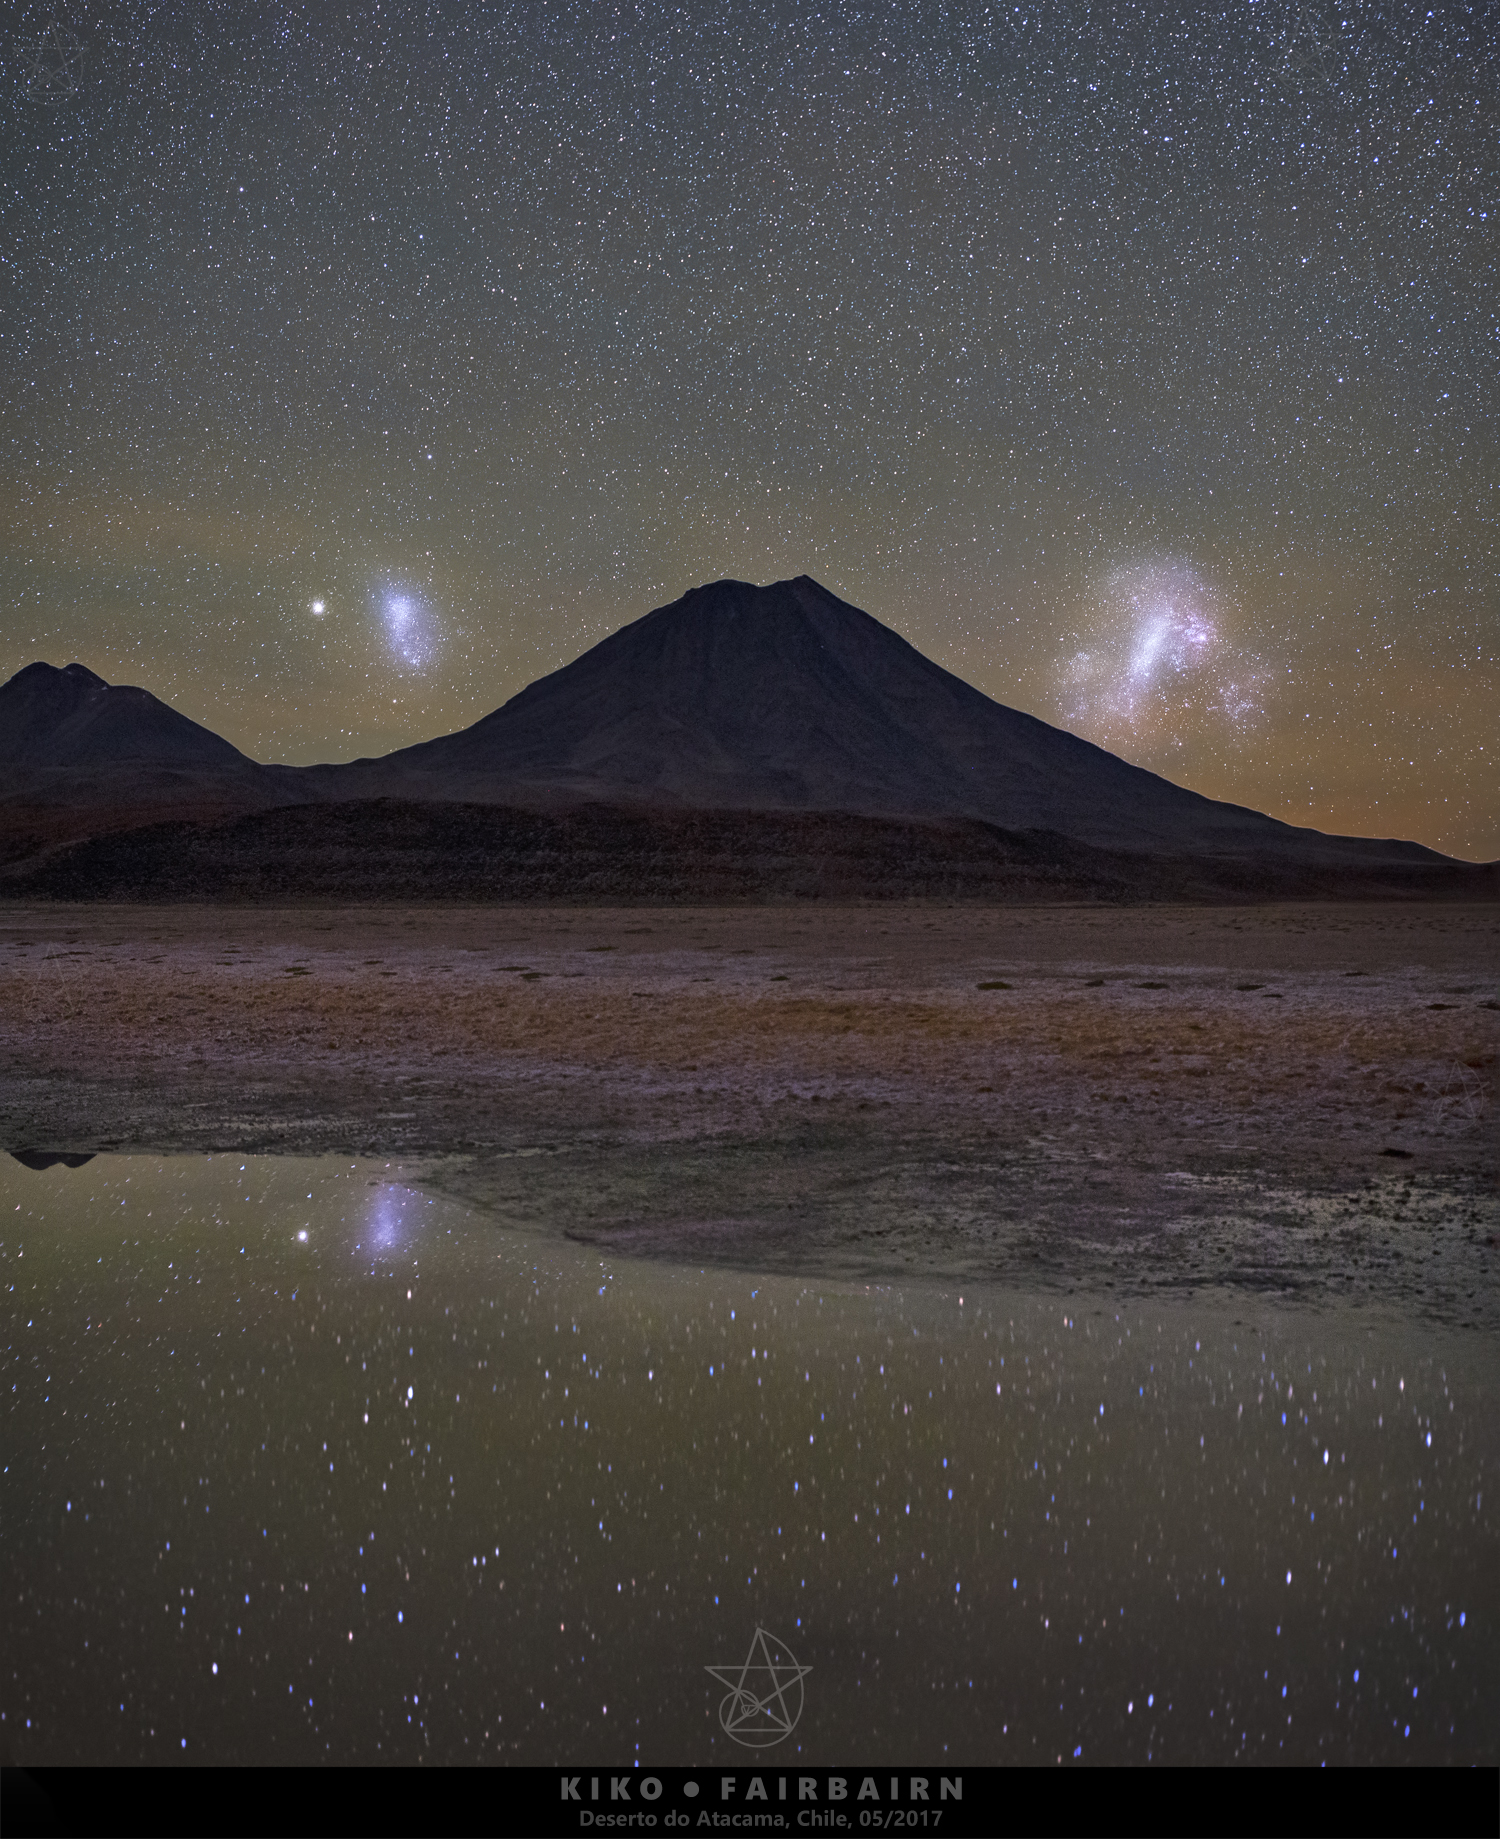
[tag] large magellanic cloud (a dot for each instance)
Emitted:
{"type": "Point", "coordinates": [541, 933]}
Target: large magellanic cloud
{"type": "Point", "coordinates": [1160, 663]}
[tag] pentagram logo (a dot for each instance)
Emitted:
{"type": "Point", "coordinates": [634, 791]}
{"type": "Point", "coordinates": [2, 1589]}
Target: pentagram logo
{"type": "Point", "coordinates": [764, 1700]}
{"type": "Point", "coordinates": [52, 64]}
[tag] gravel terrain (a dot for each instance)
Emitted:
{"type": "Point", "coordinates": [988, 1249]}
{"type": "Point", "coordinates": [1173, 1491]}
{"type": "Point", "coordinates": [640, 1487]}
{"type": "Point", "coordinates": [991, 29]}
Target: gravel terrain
{"type": "Point", "coordinates": [1300, 1100]}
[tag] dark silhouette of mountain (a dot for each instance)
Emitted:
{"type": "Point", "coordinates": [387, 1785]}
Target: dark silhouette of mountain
{"type": "Point", "coordinates": [614, 855]}
{"type": "Point", "coordinates": [787, 698]}
{"type": "Point", "coordinates": [694, 752]}
{"type": "Point", "coordinates": [73, 721]}
{"type": "Point", "coordinates": [79, 757]}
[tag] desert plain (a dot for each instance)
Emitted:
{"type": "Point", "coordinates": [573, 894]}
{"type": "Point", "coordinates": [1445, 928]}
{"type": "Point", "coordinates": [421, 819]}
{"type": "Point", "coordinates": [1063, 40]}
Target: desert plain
{"type": "Point", "coordinates": [1291, 1101]}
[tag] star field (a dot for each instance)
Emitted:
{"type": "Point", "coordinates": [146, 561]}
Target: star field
{"type": "Point", "coordinates": [387, 1486]}
{"type": "Point", "coordinates": [1034, 330]}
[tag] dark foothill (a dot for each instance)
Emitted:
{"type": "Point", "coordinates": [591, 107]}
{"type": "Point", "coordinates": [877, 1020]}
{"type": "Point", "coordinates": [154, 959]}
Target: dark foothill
{"type": "Point", "coordinates": [996, 985]}
{"type": "Point", "coordinates": [1401, 1155]}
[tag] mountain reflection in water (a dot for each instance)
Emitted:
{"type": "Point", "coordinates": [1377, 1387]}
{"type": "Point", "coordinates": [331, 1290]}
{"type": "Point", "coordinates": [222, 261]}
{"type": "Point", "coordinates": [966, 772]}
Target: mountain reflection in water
{"type": "Point", "coordinates": [306, 1463]}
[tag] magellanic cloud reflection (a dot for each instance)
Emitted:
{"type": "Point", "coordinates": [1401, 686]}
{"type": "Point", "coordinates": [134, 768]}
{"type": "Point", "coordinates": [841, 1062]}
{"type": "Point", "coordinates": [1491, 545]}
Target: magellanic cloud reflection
{"type": "Point", "coordinates": [300, 1468]}
{"type": "Point", "coordinates": [393, 1222]}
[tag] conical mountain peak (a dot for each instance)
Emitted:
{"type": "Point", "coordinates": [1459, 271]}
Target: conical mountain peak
{"type": "Point", "coordinates": [785, 697]}
{"type": "Point", "coordinates": [71, 719]}
{"type": "Point", "coordinates": [734, 697]}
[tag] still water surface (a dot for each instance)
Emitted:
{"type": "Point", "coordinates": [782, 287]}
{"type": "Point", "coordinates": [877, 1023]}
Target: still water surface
{"type": "Point", "coordinates": [303, 1463]}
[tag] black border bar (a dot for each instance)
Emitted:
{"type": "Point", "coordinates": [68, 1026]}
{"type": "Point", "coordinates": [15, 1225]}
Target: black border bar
{"type": "Point", "coordinates": [606, 1800]}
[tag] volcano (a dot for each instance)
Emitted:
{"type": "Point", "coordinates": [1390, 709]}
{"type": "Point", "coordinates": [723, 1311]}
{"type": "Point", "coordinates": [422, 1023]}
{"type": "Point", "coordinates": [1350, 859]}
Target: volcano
{"type": "Point", "coordinates": [731, 728]}
{"type": "Point", "coordinates": [72, 721]}
{"type": "Point", "coordinates": [786, 698]}
{"type": "Point", "coordinates": [79, 756]}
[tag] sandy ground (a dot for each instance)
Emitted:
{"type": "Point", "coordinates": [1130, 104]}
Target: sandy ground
{"type": "Point", "coordinates": [1150, 1098]}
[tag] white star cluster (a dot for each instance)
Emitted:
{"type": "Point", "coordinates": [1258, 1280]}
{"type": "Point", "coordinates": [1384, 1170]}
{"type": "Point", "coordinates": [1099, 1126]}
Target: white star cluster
{"type": "Point", "coordinates": [1160, 664]}
{"type": "Point", "coordinates": [409, 625]}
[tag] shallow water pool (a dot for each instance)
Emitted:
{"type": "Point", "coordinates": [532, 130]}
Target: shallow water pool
{"type": "Point", "coordinates": [303, 1463]}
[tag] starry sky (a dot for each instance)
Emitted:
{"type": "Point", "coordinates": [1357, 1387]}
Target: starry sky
{"type": "Point", "coordinates": [361, 363]}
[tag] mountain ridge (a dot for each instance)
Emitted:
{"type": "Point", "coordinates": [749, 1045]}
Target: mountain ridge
{"type": "Point", "coordinates": [73, 718]}
{"type": "Point", "coordinates": [787, 698]}
{"type": "Point", "coordinates": [734, 697]}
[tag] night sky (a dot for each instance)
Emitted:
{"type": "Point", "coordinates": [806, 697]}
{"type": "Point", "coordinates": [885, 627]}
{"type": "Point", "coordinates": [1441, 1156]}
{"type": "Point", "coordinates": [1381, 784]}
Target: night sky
{"type": "Point", "coordinates": [361, 363]}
